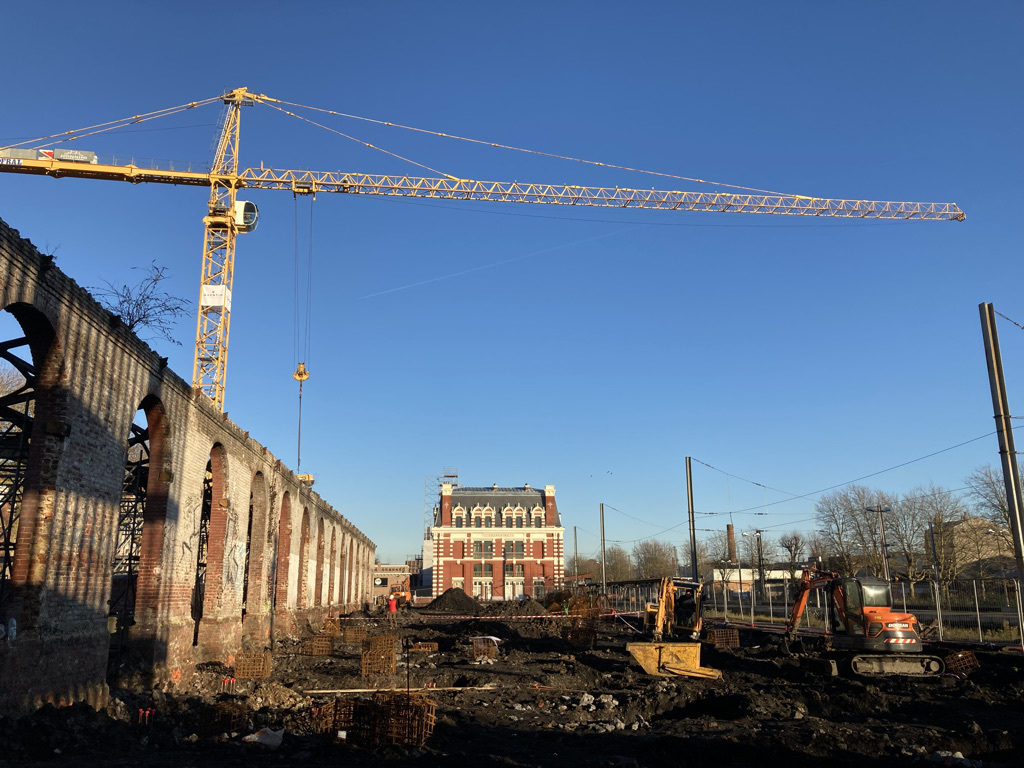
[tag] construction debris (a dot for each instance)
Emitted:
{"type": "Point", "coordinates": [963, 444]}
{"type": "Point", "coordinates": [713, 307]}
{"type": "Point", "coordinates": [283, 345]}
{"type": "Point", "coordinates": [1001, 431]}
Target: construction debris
{"type": "Point", "coordinates": [540, 701]}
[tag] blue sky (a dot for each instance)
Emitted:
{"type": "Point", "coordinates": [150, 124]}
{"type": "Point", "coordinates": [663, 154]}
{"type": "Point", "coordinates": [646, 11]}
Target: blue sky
{"type": "Point", "coordinates": [589, 349]}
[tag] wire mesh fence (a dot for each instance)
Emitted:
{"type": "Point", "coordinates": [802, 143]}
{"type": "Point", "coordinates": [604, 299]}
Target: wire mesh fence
{"type": "Point", "coordinates": [962, 610]}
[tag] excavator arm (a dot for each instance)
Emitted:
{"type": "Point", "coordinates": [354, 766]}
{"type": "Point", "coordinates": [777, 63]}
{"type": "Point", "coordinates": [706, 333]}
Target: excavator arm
{"type": "Point", "coordinates": [810, 579]}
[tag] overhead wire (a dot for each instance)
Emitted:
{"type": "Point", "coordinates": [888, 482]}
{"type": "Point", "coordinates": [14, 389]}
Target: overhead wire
{"type": "Point", "coordinates": [808, 495]}
{"type": "Point", "coordinates": [766, 487]}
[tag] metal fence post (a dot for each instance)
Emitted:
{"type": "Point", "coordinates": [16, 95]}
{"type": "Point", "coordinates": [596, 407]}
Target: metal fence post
{"type": "Point", "coordinates": [938, 607]}
{"type": "Point", "coordinates": [977, 610]}
{"type": "Point", "coordinates": [1020, 613]}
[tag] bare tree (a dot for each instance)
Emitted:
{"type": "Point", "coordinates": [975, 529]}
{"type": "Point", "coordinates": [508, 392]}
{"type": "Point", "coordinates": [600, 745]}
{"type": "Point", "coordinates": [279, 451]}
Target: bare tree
{"type": "Point", "coordinates": [716, 548]}
{"type": "Point", "coordinates": [908, 524]}
{"type": "Point", "coordinates": [588, 566]}
{"type": "Point", "coordinates": [654, 559]}
{"type": "Point", "coordinates": [11, 379]}
{"type": "Point", "coordinates": [704, 560]}
{"type": "Point", "coordinates": [144, 305]}
{"type": "Point", "coordinates": [832, 515]}
{"type": "Point", "coordinates": [851, 530]}
{"type": "Point", "coordinates": [988, 492]}
{"type": "Point", "coordinates": [617, 564]}
{"type": "Point", "coordinates": [793, 545]}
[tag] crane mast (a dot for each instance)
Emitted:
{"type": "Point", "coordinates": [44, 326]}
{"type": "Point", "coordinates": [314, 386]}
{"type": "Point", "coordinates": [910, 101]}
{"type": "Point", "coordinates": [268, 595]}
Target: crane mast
{"type": "Point", "coordinates": [213, 322]}
{"type": "Point", "coordinates": [225, 219]}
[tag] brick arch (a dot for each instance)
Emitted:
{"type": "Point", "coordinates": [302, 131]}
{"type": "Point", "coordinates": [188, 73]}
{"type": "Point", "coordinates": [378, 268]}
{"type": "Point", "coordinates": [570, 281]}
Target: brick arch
{"type": "Point", "coordinates": [332, 566]}
{"type": "Point", "coordinates": [29, 531]}
{"type": "Point", "coordinates": [284, 545]}
{"type": "Point", "coordinates": [215, 503]}
{"type": "Point", "coordinates": [303, 598]}
{"type": "Point", "coordinates": [318, 583]}
{"type": "Point", "coordinates": [350, 569]}
{"type": "Point", "coordinates": [150, 586]}
{"type": "Point", "coordinates": [252, 586]}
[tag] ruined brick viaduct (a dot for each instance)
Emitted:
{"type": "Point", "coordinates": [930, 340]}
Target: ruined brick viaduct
{"type": "Point", "coordinates": [278, 558]}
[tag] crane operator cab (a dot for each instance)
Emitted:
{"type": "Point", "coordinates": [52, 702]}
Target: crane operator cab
{"type": "Point", "coordinates": [244, 217]}
{"type": "Point", "coordinates": [247, 216]}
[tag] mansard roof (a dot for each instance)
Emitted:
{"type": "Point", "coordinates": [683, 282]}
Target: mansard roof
{"type": "Point", "coordinates": [498, 498]}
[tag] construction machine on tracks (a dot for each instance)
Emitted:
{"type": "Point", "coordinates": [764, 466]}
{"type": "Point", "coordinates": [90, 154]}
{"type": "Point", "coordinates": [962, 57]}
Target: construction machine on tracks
{"type": "Point", "coordinates": [861, 623]}
{"type": "Point", "coordinates": [677, 612]}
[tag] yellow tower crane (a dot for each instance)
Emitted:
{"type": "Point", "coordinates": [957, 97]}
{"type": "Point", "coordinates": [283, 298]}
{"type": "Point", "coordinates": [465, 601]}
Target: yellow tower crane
{"type": "Point", "coordinates": [227, 216]}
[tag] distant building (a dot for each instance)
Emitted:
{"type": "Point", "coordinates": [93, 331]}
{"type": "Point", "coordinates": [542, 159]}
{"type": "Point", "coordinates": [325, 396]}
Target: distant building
{"type": "Point", "coordinates": [388, 576]}
{"type": "Point", "coordinates": [496, 543]}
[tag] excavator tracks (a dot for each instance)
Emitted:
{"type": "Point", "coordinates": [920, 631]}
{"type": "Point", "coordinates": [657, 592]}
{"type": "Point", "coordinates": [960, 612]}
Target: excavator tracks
{"type": "Point", "coordinates": [907, 664]}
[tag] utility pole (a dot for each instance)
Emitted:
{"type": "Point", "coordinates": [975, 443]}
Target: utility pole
{"type": "Point", "coordinates": [604, 572]}
{"type": "Point", "coordinates": [1001, 411]}
{"type": "Point", "coordinates": [693, 529]}
{"type": "Point", "coordinates": [575, 557]}
{"type": "Point", "coordinates": [882, 509]}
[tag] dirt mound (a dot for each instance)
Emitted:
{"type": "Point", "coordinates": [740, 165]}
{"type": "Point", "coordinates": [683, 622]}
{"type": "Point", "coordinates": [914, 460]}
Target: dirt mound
{"type": "Point", "coordinates": [455, 601]}
{"type": "Point", "coordinates": [527, 607]}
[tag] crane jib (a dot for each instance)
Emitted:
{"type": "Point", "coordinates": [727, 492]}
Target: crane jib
{"type": "Point", "coordinates": [209, 370]}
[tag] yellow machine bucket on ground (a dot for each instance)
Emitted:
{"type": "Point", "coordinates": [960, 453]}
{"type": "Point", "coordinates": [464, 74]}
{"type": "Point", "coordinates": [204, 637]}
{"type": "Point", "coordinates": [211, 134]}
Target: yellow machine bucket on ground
{"type": "Point", "coordinates": [669, 659]}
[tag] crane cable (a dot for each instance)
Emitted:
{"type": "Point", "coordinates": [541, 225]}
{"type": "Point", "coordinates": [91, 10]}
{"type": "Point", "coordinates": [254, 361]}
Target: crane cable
{"type": "Point", "coordinates": [497, 145]}
{"type": "Point", "coordinates": [301, 340]}
{"type": "Point", "coordinates": [113, 125]}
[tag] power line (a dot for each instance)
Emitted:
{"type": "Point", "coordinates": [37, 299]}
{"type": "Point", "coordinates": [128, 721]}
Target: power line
{"type": "Point", "coordinates": [810, 494]}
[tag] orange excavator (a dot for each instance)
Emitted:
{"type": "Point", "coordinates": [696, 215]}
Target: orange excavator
{"type": "Point", "coordinates": [402, 592]}
{"type": "Point", "coordinates": [860, 618]}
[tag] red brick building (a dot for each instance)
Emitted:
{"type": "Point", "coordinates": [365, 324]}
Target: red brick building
{"type": "Point", "coordinates": [497, 543]}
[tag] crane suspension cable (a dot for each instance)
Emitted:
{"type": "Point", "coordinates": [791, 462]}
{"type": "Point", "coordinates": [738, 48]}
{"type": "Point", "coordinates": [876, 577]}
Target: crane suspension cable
{"type": "Point", "coordinates": [113, 125]}
{"type": "Point", "coordinates": [540, 153]}
{"type": "Point", "coordinates": [364, 143]}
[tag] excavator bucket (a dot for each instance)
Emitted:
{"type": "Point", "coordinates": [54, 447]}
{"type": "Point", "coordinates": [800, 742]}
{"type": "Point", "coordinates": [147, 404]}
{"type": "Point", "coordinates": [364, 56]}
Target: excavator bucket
{"type": "Point", "coordinates": [670, 659]}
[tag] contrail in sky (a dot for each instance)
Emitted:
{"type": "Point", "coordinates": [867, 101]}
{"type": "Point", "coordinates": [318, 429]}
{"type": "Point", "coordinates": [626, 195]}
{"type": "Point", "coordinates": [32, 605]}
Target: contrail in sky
{"type": "Point", "coordinates": [495, 264]}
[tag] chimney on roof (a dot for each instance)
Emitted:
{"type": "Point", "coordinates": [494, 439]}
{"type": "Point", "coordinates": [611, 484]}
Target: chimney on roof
{"type": "Point", "coordinates": [526, 486]}
{"type": "Point", "coordinates": [494, 487]}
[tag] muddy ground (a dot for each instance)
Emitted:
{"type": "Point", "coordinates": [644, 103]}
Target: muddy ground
{"type": "Point", "coordinates": [551, 704]}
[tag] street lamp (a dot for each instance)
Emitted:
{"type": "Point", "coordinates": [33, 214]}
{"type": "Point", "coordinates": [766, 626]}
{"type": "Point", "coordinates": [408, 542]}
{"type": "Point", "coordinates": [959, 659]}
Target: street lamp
{"type": "Point", "coordinates": [760, 558]}
{"type": "Point", "coordinates": [881, 531]}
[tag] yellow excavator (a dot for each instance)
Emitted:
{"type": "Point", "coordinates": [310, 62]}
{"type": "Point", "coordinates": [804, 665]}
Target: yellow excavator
{"type": "Point", "coordinates": [677, 612]}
